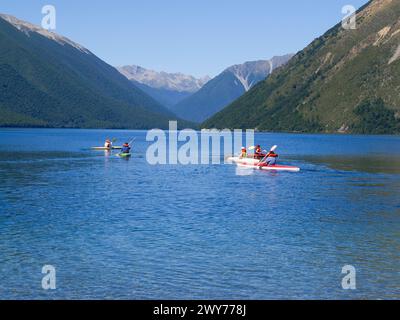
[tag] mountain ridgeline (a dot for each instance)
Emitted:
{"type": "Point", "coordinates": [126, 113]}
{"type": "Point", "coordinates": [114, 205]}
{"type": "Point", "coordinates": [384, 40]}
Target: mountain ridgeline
{"type": "Point", "coordinates": [345, 81]}
{"type": "Point", "coordinates": [167, 88]}
{"type": "Point", "coordinates": [49, 81]}
{"type": "Point", "coordinates": [225, 88]}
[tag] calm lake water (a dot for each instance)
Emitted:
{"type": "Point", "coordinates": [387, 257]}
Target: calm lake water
{"type": "Point", "coordinates": [123, 229]}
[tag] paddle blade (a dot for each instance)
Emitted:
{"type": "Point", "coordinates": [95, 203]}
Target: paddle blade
{"type": "Point", "coordinates": [252, 148]}
{"type": "Point", "coordinates": [274, 148]}
{"type": "Point", "coordinates": [133, 140]}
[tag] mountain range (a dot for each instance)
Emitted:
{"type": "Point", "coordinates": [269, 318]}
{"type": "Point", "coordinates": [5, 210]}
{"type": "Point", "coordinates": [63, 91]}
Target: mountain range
{"type": "Point", "coordinates": [345, 81]}
{"type": "Point", "coordinates": [225, 88]}
{"type": "Point", "coordinates": [166, 88]}
{"type": "Point", "coordinates": [47, 80]}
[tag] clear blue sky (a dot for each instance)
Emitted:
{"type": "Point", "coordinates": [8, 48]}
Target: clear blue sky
{"type": "Point", "coordinates": [197, 37]}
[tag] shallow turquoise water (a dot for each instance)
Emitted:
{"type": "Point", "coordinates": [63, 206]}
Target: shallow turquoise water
{"type": "Point", "coordinates": [122, 229]}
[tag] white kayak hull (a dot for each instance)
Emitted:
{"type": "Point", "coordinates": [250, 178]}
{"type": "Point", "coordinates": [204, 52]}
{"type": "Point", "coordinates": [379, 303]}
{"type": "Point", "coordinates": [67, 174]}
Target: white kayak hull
{"type": "Point", "coordinates": [249, 161]}
{"type": "Point", "coordinates": [253, 164]}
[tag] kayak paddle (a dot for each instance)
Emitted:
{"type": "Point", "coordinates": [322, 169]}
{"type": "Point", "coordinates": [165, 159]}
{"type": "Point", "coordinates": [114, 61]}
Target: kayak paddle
{"type": "Point", "coordinates": [132, 141]}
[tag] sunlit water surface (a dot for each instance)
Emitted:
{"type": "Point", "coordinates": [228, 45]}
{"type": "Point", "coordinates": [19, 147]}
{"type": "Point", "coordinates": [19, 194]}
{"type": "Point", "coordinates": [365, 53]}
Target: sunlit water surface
{"type": "Point", "coordinates": [123, 229]}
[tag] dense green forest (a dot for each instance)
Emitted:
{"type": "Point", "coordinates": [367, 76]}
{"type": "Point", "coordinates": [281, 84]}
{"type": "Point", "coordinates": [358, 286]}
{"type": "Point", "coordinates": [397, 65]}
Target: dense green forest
{"type": "Point", "coordinates": [376, 118]}
{"type": "Point", "coordinates": [47, 82]}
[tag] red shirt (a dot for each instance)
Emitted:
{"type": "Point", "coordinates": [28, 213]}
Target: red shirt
{"type": "Point", "coordinates": [272, 155]}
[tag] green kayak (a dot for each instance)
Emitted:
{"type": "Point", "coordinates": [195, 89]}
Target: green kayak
{"type": "Point", "coordinates": [124, 155]}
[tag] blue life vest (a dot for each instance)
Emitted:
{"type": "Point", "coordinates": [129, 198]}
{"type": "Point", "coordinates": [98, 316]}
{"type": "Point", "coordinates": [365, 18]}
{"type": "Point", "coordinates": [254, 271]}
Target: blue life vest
{"type": "Point", "coordinates": [126, 149]}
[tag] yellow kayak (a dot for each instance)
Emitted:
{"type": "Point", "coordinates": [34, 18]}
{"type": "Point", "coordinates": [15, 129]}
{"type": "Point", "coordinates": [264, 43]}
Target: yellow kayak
{"type": "Point", "coordinates": [105, 148]}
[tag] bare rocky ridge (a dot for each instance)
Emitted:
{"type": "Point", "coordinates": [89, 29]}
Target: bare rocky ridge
{"type": "Point", "coordinates": [251, 72]}
{"type": "Point", "coordinates": [28, 28]}
{"type": "Point", "coordinates": [163, 80]}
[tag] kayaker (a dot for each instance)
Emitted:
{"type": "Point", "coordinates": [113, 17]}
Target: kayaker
{"type": "Point", "coordinates": [108, 144]}
{"type": "Point", "coordinates": [244, 153]}
{"type": "Point", "coordinates": [258, 152]}
{"type": "Point", "coordinates": [126, 148]}
{"type": "Point", "coordinates": [270, 159]}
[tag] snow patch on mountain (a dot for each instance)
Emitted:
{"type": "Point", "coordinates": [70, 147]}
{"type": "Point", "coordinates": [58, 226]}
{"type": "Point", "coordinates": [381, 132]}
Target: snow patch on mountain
{"type": "Point", "coordinates": [250, 73]}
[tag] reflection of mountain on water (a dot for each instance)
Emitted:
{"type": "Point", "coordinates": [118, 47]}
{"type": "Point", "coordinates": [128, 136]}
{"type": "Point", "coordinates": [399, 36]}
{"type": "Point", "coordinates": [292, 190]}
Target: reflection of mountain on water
{"type": "Point", "coordinates": [365, 163]}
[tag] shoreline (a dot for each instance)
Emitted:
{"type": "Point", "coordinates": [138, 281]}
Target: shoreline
{"type": "Point", "coordinates": [199, 130]}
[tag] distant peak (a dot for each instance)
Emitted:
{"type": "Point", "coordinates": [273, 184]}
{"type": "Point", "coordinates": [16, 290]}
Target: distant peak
{"type": "Point", "coordinates": [247, 73]}
{"type": "Point", "coordinates": [161, 79]}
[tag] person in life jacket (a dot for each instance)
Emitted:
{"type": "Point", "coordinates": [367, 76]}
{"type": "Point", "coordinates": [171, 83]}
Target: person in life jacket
{"type": "Point", "coordinates": [258, 152]}
{"type": "Point", "coordinates": [270, 158]}
{"type": "Point", "coordinates": [108, 144]}
{"type": "Point", "coordinates": [126, 148]}
{"type": "Point", "coordinates": [244, 153]}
